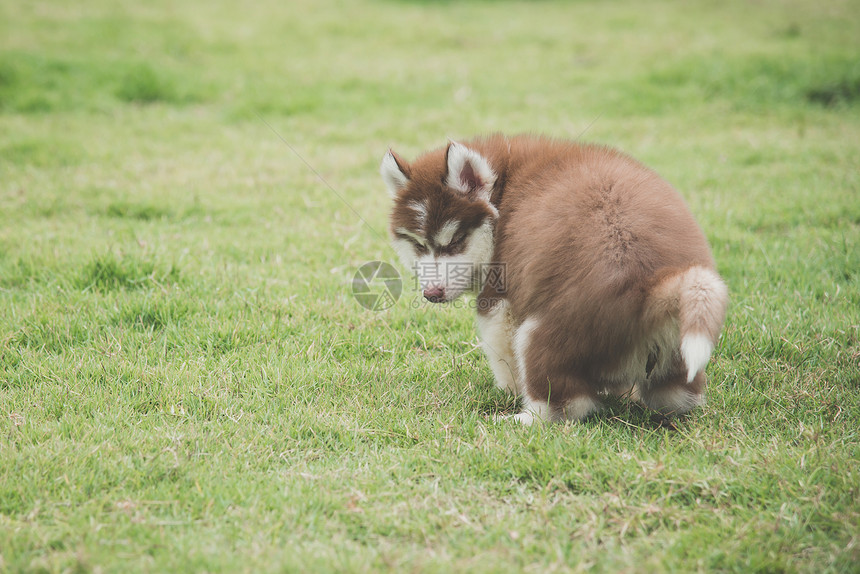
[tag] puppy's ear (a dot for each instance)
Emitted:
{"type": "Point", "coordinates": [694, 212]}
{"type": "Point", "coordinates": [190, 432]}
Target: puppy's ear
{"type": "Point", "coordinates": [469, 172]}
{"type": "Point", "coordinates": [395, 172]}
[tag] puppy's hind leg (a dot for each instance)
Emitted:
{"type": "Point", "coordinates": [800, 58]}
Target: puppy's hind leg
{"type": "Point", "coordinates": [550, 392]}
{"type": "Point", "coordinates": [670, 394]}
{"type": "Point", "coordinates": [571, 403]}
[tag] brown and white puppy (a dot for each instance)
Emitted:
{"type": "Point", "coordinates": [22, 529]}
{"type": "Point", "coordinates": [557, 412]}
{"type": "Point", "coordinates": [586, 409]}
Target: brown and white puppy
{"type": "Point", "coordinates": [608, 284]}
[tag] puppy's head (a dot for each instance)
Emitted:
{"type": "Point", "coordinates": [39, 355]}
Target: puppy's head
{"type": "Point", "coordinates": [442, 222]}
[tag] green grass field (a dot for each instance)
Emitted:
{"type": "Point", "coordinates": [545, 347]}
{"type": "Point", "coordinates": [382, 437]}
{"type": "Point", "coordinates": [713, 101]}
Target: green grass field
{"type": "Point", "coordinates": [187, 384]}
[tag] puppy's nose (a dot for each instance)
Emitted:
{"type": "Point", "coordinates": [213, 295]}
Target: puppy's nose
{"type": "Point", "coordinates": [434, 294]}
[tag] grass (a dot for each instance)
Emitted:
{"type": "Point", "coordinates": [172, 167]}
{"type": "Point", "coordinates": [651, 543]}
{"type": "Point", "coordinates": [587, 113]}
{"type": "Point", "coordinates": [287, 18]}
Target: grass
{"type": "Point", "coordinates": [186, 383]}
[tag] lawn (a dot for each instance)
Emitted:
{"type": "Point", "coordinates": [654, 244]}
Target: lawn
{"type": "Point", "coordinates": [188, 384]}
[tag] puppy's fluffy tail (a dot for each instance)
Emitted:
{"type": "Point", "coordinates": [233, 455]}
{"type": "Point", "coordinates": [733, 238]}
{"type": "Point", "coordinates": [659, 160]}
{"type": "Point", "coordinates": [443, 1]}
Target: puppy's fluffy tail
{"type": "Point", "coordinates": [697, 298]}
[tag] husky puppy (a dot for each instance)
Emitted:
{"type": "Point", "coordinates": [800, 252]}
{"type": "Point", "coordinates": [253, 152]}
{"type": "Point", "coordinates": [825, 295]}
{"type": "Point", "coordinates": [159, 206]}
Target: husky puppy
{"type": "Point", "coordinates": [592, 275]}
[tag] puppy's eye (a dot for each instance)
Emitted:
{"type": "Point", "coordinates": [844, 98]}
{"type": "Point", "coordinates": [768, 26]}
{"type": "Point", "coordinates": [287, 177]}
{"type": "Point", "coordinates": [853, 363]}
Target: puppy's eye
{"type": "Point", "coordinates": [458, 240]}
{"type": "Point", "coordinates": [414, 241]}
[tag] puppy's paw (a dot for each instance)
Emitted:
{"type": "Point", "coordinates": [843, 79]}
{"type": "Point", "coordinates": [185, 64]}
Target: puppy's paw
{"type": "Point", "coordinates": [525, 418]}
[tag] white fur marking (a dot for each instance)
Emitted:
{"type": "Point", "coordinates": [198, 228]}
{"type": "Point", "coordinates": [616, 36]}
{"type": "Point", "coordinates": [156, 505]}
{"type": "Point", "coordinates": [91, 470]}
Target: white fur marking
{"type": "Point", "coordinates": [395, 180]}
{"type": "Point", "coordinates": [458, 157]}
{"type": "Point", "coordinates": [446, 233]}
{"type": "Point", "coordinates": [533, 411]}
{"type": "Point", "coordinates": [696, 349]}
{"type": "Point", "coordinates": [579, 408]}
{"type": "Point", "coordinates": [420, 209]}
{"type": "Point", "coordinates": [524, 418]}
{"type": "Point", "coordinates": [521, 345]}
{"type": "Point", "coordinates": [406, 250]}
{"type": "Point", "coordinates": [496, 327]}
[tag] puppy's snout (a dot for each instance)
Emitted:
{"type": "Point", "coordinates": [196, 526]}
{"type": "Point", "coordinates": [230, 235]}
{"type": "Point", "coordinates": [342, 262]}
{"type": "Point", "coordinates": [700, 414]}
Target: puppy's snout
{"type": "Point", "coordinates": [434, 294]}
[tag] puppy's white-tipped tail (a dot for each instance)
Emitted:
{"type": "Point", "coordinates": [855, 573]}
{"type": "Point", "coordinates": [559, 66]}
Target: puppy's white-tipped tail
{"type": "Point", "coordinates": [702, 302]}
{"type": "Point", "coordinates": [696, 349]}
{"type": "Point", "coordinates": [698, 298]}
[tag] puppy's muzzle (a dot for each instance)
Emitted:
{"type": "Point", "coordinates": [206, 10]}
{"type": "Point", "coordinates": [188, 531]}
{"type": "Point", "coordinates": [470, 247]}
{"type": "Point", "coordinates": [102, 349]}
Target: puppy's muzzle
{"type": "Point", "coordinates": [435, 294]}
